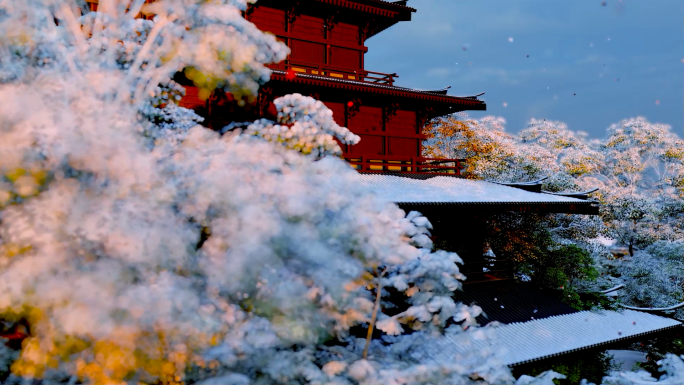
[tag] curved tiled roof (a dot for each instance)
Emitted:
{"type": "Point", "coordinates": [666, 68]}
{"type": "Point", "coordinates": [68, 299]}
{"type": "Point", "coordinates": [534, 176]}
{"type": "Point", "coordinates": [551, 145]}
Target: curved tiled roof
{"type": "Point", "coordinates": [379, 7]}
{"type": "Point", "coordinates": [393, 4]}
{"type": "Point", "coordinates": [377, 2]}
{"type": "Point", "coordinates": [383, 88]}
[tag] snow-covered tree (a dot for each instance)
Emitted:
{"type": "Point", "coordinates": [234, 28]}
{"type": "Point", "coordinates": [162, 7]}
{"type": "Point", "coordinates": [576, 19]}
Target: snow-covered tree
{"type": "Point", "coordinates": [654, 278]}
{"type": "Point", "coordinates": [642, 178]}
{"type": "Point", "coordinates": [491, 152]}
{"type": "Point", "coordinates": [638, 169]}
{"type": "Point", "coordinates": [545, 149]}
{"type": "Point", "coordinates": [137, 246]}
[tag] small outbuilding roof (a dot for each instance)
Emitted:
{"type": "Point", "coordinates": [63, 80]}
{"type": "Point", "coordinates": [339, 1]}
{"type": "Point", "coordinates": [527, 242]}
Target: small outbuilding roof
{"type": "Point", "coordinates": [520, 343]}
{"type": "Point", "coordinates": [448, 190]}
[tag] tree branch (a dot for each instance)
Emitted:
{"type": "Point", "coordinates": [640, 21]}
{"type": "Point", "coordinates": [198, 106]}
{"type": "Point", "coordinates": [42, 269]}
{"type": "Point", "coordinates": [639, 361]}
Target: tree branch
{"type": "Point", "coordinates": [371, 326]}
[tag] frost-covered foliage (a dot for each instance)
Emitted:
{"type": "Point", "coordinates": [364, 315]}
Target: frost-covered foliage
{"type": "Point", "coordinates": [491, 152]}
{"type": "Point", "coordinates": [140, 247]}
{"type": "Point", "coordinates": [306, 125]}
{"type": "Point", "coordinates": [643, 179]}
{"type": "Point", "coordinates": [638, 168]}
{"type": "Point", "coordinates": [672, 365]}
{"type": "Point", "coordinates": [655, 276]}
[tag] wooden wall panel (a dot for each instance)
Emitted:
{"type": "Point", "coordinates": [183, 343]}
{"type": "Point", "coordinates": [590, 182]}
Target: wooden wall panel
{"type": "Point", "coordinates": [367, 121]}
{"type": "Point", "coordinates": [345, 58]}
{"type": "Point", "coordinates": [269, 19]}
{"type": "Point", "coordinates": [403, 146]}
{"type": "Point", "coordinates": [369, 145]}
{"type": "Point", "coordinates": [304, 51]}
{"type": "Point", "coordinates": [403, 122]}
{"type": "Point", "coordinates": [345, 33]}
{"type": "Point", "coordinates": [312, 26]}
{"type": "Point", "coordinates": [338, 112]}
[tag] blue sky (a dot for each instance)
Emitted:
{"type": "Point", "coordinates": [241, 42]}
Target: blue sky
{"type": "Point", "coordinates": [620, 60]}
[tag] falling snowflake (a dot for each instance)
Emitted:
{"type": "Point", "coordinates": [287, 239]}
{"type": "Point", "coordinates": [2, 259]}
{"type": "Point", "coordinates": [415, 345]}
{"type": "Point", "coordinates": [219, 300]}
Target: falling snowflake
{"type": "Point", "coordinates": [510, 40]}
{"type": "Point", "coordinates": [505, 104]}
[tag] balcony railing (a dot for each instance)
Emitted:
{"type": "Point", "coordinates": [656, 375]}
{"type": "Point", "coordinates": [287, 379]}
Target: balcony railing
{"type": "Point", "coordinates": [405, 164]}
{"type": "Point", "coordinates": [336, 72]}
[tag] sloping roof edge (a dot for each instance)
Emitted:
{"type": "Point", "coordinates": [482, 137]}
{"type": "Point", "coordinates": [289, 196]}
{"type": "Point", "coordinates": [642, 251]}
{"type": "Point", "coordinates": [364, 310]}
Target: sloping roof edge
{"type": "Point", "coordinates": [469, 101]}
{"type": "Point", "coordinates": [526, 342]}
{"type": "Point", "coordinates": [588, 203]}
{"type": "Point", "coordinates": [447, 189]}
{"type": "Point", "coordinates": [391, 4]}
{"type": "Point", "coordinates": [654, 331]}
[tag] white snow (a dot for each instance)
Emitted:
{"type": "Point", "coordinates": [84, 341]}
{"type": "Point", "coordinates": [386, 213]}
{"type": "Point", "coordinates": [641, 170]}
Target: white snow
{"type": "Point", "coordinates": [605, 241]}
{"type": "Point", "coordinates": [443, 189]}
{"type": "Point", "coordinates": [537, 339]}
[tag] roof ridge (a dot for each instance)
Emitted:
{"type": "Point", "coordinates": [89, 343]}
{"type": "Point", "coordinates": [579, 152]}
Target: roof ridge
{"type": "Point", "coordinates": [376, 85]}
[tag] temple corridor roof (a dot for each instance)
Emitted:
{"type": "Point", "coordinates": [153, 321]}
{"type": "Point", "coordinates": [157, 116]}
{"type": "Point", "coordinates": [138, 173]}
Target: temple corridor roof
{"type": "Point", "coordinates": [447, 189]}
{"type": "Point", "coordinates": [520, 343]}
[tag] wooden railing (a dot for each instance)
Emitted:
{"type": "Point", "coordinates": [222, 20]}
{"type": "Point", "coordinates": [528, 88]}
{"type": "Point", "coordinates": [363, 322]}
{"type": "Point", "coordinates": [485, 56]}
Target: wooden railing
{"type": "Point", "coordinates": [405, 164]}
{"type": "Point", "coordinates": [336, 72]}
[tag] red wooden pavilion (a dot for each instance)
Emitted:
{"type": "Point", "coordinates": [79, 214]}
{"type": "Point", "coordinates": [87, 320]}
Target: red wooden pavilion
{"type": "Point", "coordinates": [327, 39]}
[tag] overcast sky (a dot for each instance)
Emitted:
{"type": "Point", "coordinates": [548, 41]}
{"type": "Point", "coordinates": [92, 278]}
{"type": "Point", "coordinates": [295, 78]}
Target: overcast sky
{"type": "Point", "coordinates": [589, 65]}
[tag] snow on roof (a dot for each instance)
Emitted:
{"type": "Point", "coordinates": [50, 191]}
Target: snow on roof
{"type": "Point", "coordinates": [470, 99]}
{"type": "Point", "coordinates": [446, 189]}
{"type": "Point", "coordinates": [519, 343]}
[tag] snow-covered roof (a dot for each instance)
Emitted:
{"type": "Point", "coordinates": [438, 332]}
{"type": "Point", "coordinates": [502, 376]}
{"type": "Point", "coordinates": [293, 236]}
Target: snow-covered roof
{"type": "Point", "coordinates": [446, 189]}
{"type": "Point", "coordinates": [533, 340]}
{"type": "Point", "coordinates": [469, 100]}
